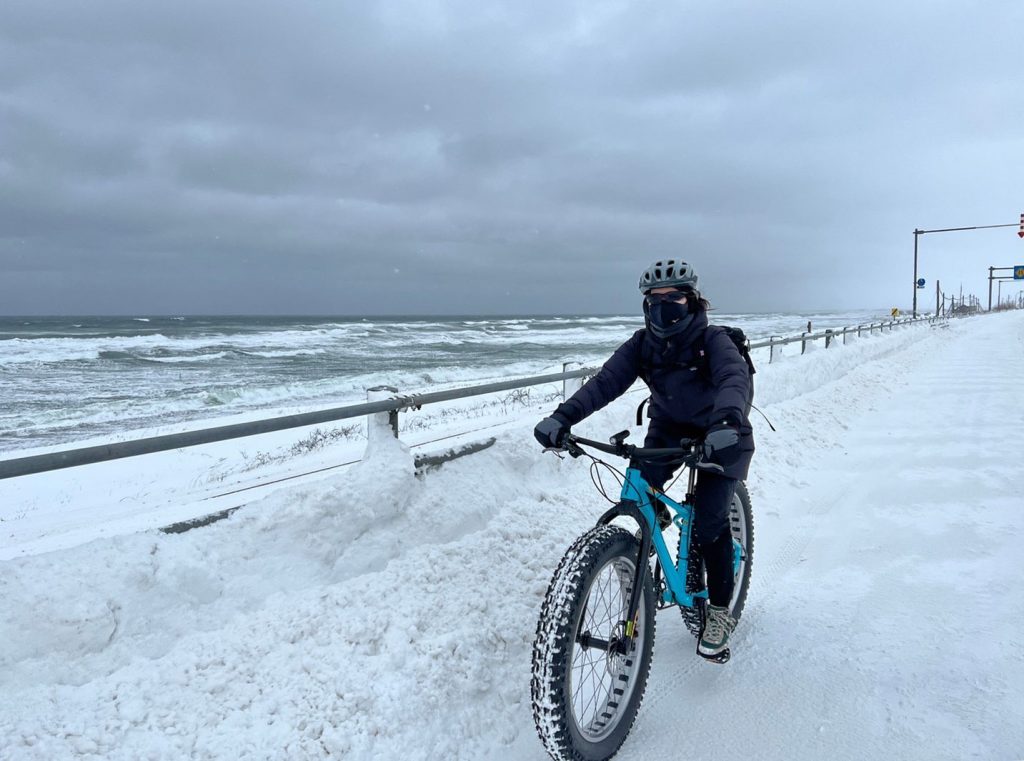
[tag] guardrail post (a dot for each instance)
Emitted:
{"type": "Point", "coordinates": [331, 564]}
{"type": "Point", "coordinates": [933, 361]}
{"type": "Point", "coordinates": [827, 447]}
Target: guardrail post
{"type": "Point", "coordinates": [379, 423]}
{"type": "Point", "coordinates": [570, 385]}
{"type": "Point", "coordinates": [828, 337]}
{"type": "Point", "coordinates": [803, 340]}
{"type": "Point", "coordinates": [771, 348]}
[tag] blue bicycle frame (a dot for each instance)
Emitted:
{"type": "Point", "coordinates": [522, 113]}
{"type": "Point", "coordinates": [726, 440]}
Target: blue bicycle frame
{"type": "Point", "coordinates": [636, 490]}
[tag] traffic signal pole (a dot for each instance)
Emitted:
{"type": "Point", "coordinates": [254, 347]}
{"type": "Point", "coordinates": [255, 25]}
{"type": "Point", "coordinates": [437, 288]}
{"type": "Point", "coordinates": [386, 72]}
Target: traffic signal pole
{"type": "Point", "coordinates": [916, 233]}
{"type": "Point", "coordinates": [953, 230]}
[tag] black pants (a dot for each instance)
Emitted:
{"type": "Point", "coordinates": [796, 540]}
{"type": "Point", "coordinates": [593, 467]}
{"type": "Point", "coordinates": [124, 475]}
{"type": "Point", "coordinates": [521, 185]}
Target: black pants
{"type": "Point", "coordinates": [712, 499]}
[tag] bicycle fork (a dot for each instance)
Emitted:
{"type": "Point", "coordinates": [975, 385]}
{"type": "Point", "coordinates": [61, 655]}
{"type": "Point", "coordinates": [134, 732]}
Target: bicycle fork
{"type": "Point", "coordinates": [624, 643]}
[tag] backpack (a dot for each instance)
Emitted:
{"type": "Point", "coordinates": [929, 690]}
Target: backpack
{"type": "Point", "coordinates": [739, 338]}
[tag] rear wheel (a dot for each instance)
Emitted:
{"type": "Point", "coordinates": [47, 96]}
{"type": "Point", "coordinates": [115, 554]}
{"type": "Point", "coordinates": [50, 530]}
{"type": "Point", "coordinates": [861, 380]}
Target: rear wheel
{"type": "Point", "coordinates": [741, 525]}
{"type": "Point", "coordinates": [586, 694]}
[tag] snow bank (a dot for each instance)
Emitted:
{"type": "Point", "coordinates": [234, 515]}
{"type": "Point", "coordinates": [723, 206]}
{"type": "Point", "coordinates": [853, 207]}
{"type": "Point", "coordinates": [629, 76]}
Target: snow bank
{"type": "Point", "coordinates": [377, 615]}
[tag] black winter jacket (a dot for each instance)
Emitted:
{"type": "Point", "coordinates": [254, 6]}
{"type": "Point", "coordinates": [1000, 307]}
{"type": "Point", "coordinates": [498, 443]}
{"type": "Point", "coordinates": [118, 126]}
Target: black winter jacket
{"type": "Point", "coordinates": [689, 393]}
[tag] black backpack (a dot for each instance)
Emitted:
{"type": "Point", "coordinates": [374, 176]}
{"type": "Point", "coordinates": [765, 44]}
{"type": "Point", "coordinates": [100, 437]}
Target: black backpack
{"type": "Point", "coordinates": [738, 337]}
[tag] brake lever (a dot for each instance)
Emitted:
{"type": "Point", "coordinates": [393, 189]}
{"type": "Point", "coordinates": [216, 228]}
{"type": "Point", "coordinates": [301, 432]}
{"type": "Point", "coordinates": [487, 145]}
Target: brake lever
{"type": "Point", "coordinates": [711, 467]}
{"type": "Point", "coordinates": [573, 449]}
{"type": "Point", "coordinates": [696, 457]}
{"type": "Point", "coordinates": [570, 448]}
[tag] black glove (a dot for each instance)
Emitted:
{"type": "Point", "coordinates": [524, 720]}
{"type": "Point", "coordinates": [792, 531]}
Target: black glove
{"type": "Point", "coordinates": [721, 443]}
{"type": "Point", "coordinates": [551, 430]}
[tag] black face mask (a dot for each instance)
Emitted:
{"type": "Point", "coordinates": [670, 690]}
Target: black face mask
{"type": "Point", "coordinates": [667, 319]}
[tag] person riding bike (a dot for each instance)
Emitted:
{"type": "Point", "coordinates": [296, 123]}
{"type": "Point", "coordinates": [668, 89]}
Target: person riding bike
{"type": "Point", "coordinates": [700, 387]}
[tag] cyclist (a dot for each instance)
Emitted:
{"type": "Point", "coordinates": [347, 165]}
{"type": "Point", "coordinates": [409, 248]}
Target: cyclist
{"type": "Point", "coordinates": [700, 387]}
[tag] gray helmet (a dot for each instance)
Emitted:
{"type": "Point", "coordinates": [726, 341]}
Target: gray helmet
{"type": "Point", "coordinates": [668, 273]}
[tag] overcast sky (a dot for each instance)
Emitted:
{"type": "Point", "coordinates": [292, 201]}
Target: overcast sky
{"type": "Point", "coordinates": [437, 156]}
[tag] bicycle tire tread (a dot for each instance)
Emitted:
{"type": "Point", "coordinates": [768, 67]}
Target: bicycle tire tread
{"type": "Point", "coordinates": [555, 635]}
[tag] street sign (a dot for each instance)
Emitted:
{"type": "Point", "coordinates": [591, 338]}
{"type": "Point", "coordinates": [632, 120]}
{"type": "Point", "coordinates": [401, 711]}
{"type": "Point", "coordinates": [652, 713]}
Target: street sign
{"type": "Point", "coordinates": [920, 282]}
{"type": "Point", "coordinates": [1018, 272]}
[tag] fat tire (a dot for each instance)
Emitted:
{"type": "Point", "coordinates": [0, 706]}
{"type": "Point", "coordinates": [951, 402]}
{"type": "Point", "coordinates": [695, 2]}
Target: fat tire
{"type": "Point", "coordinates": [556, 640]}
{"type": "Point", "coordinates": [740, 510]}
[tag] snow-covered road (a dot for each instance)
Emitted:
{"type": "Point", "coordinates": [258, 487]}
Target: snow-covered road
{"type": "Point", "coordinates": [886, 617]}
{"type": "Point", "coordinates": [374, 615]}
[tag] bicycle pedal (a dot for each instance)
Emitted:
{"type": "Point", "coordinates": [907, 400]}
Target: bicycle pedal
{"type": "Point", "coordinates": [720, 658]}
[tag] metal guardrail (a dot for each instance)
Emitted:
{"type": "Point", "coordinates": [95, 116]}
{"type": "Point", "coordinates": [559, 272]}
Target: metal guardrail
{"type": "Point", "coordinates": [23, 466]}
{"type": "Point", "coordinates": [830, 334]}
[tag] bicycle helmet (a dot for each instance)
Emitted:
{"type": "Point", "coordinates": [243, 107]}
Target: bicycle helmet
{"type": "Point", "coordinates": [667, 273]}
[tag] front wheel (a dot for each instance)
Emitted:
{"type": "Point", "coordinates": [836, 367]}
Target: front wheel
{"type": "Point", "coordinates": [585, 696]}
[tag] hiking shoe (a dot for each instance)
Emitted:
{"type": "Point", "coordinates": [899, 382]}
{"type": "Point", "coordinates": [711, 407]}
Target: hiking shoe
{"type": "Point", "coordinates": [714, 638]}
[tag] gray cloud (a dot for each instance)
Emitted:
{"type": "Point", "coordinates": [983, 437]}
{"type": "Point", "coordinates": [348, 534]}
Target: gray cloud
{"type": "Point", "coordinates": [500, 157]}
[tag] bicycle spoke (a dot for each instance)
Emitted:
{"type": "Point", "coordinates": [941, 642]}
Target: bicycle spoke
{"type": "Point", "coordinates": [594, 683]}
{"type": "Point", "coordinates": [587, 713]}
{"type": "Point", "coordinates": [588, 670]}
{"type": "Point", "coordinates": [606, 611]}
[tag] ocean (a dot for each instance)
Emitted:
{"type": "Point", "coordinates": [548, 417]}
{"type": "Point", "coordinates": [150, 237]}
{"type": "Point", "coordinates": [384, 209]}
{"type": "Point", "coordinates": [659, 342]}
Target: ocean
{"type": "Point", "coordinates": [67, 379]}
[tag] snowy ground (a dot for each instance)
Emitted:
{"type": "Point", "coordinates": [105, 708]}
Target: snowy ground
{"type": "Point", "coordinates": [371, 614]}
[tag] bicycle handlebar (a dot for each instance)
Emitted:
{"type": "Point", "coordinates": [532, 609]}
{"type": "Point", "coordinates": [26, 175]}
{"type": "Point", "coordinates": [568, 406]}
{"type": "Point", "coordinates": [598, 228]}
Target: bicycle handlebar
{"type": "Point", "coordinates": [689, 450]}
